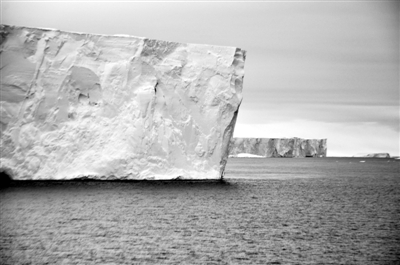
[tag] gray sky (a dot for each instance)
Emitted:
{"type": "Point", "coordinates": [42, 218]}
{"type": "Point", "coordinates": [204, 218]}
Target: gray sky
{"type": "Point", "coordinates": [316, 69]}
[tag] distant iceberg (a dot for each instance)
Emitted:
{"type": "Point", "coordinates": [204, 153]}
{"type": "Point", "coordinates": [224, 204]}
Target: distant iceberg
{"type": "Point", "coordinates": [373, 155]}
{"type": "Point", "coordinates": [278, 147]}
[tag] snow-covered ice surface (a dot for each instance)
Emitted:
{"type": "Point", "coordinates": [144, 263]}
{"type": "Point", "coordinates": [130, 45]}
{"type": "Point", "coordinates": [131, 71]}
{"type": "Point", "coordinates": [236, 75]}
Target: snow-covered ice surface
{"type": "Point", "coordinates": [115, 107]}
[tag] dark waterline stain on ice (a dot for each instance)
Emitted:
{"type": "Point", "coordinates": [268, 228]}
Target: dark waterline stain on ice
{"type": "Point", "coordinates": [5, 180]}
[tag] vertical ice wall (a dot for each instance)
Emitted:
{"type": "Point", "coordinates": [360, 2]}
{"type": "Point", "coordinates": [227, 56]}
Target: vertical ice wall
{"type": "Point", "coordinates": [82, 105]}
{"type": "Point", "coordinates": [275, 147]}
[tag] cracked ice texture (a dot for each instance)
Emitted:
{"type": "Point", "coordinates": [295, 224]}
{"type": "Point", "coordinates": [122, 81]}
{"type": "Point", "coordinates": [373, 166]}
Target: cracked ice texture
{"type": "Point", "coordinates": [79, 105]}
{"type": "Point", "coordinates": [273, 147]}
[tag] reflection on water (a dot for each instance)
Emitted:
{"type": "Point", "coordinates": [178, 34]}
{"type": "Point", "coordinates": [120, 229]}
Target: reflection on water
{"type": "Point", "coordinates": [280, 211]}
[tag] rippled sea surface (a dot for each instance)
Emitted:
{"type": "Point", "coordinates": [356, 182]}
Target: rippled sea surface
{"type": "Point", "coordinates": [268, 211]}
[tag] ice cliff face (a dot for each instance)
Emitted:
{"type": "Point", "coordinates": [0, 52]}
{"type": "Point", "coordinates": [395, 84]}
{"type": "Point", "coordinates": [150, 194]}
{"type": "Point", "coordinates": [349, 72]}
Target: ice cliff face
{"type": "Point", "coordinates": [115, 107]}
{"type": "Point", "coordinates": [270, 147]}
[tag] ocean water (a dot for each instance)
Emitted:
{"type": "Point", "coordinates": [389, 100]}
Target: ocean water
{"type": "Point", "coordinates": [268, 211]}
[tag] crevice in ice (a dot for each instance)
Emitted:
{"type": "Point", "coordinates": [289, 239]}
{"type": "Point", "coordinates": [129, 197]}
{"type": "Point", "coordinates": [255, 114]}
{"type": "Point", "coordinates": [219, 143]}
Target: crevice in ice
{"type": "Point", "coordinates": [83, 98]}
{"type": "Point", "coordinates": [155, 87]}
{"type": "Point", "coordinates": [228, 133]}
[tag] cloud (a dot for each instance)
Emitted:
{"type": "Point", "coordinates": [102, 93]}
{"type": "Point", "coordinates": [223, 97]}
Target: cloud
{"type": "Point", "coordinates": [383, 116]}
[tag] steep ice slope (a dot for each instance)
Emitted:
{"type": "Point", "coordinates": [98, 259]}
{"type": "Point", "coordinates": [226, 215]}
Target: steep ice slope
{"type": "Point", "coordinates": [115, 107]}
{"type": "Point", "coordinates": [271, 147]}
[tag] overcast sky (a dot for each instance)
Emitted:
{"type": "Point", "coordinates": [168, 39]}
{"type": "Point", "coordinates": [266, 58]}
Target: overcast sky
{"type": "Point", "coordinates": [314, 69]}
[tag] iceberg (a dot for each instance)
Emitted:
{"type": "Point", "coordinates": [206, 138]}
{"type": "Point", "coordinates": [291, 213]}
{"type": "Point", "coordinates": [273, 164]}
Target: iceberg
{"type": "Point", "coordinates": [373, 155]}
{"type": "Point", "coordinates": [278, 147]}
{"type": "Point", "coordinates": [78, 105]}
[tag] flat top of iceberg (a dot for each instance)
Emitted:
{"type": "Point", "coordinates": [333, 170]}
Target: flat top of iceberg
{"type": "Point", "coordinates": [248, 155]}
{"type": "Point", "coordinates": [111, 35]}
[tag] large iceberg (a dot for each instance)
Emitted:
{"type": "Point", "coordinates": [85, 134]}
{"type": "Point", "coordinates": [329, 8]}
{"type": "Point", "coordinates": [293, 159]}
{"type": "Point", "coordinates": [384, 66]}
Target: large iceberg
{"type": "Point", "coordinates": [275, 147]}
{"type": "Point", "coordinates": [77, 105]}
